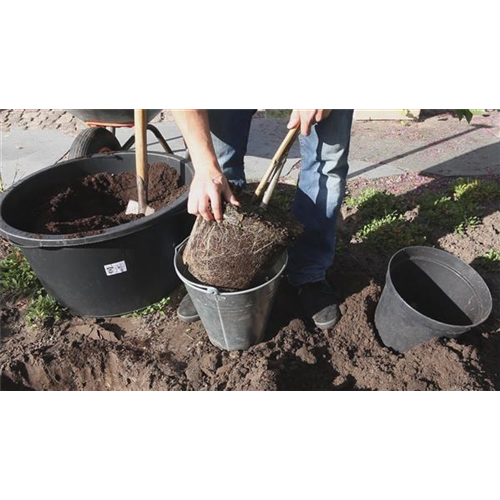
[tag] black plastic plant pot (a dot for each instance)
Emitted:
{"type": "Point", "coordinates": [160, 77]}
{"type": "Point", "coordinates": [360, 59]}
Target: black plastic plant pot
{"type": "Point", "coordinates": [429, 293]}
{"type": "Point", "coordinates": [121, 269]}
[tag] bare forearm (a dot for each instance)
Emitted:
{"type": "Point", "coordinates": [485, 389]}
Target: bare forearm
{"type": "Point", "coordinates": [195, 128]}
{"type": "Point", "coordinates": [209, 186]}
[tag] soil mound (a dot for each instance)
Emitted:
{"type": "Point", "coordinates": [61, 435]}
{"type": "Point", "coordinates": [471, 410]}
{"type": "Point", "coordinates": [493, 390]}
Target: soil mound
{"type": "Point", "coordinates": [96, 202]}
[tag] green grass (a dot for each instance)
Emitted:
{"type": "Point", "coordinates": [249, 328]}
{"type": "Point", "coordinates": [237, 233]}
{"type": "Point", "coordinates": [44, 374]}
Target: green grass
{"type": "Point", "coordinates": [391, 232]}
{"type": "Point", "coordinates": [16, 276]}
{"type": "Point", "coordinates": [157, 308]}
{"type": "Point", "coordinates": [458, 209]}
{"type": "Point", "coordinates": [457, 214]}
{"type": "Point", "coordinates": [373, 203]}
{"type": "Point", "coordinates": [18, 280]}
{"type": "Point", "coordinates": [384, 224]}
{"type": "Point", "coordinates": [475, 190]}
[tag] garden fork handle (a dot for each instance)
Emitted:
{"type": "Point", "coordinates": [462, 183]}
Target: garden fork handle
{"type": "Point", "coordinates": [277, 159]}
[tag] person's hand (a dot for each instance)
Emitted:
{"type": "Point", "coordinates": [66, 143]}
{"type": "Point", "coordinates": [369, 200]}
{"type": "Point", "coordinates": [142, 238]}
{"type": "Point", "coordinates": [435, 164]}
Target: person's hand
{"type": "Point", "coordinates": [306, 118]}
{"type": "Point", "coordinates": [208, 189]}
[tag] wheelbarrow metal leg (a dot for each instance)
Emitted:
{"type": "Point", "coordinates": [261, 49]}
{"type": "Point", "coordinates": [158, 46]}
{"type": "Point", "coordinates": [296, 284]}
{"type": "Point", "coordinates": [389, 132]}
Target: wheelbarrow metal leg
{"type": "Point", "coordinates": [131, 141]}
{"type": "Point", "coordinates": [160, 138]}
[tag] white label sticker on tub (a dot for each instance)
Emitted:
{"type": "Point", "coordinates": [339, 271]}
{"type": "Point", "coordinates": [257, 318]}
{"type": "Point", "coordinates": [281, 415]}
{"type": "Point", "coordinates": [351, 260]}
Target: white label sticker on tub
{"type": "Point", "coordinates": [116, 268]}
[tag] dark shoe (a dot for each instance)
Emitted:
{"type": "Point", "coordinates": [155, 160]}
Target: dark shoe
{"type": "Point", "coordinates": [320, 304]}
{"type": "Point", "coordinates": [186, 311]}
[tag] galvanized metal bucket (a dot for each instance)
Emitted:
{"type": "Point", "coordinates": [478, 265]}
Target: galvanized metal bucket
{"type": "Point", "coordinates": [233, 320]}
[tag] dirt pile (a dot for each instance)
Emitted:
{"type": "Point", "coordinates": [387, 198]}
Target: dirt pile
{"type": "Point", "coordinates": [96, 202]}
{"type": "Point", "coordinates": [159, 352]}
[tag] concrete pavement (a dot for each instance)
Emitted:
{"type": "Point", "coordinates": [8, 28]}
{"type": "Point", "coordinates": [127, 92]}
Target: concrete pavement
{"type": "Point", "coordinates": [438, 145]}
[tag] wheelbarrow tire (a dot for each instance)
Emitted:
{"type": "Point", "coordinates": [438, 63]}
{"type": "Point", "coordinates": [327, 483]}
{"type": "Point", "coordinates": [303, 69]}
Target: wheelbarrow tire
{"type": "Point", "coordinates": [93, 141]}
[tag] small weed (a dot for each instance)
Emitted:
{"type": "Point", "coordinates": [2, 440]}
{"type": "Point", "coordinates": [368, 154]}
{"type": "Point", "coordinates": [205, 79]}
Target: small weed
{"type": "Point", "coordinates": [457, 214]}
{"type": "Point", "coordinates": [18, 279]}
{"type": "Point", "coordinates": [390, 232]}
{"type": "Point", "coordinates": [16, 275]}
{"type": "Point", "coordinates": [373, 203]}
{"type": "Point", "coordinates": [475, 190]}
{"type": "Point", "coordinates": [157, 308]}
{"type": "Point", "coordinates": [43, 308]}
{"type": "Point", "coordinates": [492, 255]}
{"type": "Point", "coordinates": [490, 260]}
{"type": "Point", "coordinates": [468, 222]}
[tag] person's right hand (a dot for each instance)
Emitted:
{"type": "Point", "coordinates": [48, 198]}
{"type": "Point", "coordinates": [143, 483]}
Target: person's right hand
{"type": "Point", "coordinates": [208, 189]}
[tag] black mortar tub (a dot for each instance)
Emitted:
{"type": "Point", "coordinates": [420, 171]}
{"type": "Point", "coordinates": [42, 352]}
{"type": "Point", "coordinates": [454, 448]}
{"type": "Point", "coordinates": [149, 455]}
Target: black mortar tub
{"type": "Point", "coordinates": [121, 269]}
{"type": "Point", "coordinates": [429, 293]}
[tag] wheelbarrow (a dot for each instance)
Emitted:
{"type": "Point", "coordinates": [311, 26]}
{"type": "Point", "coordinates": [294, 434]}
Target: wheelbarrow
{"type": "Point", "coordinates": [101, 136]}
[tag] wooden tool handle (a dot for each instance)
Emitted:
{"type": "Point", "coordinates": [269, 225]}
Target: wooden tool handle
{"type": "Point", "coordinates": [282, 151]}
{"type": "Point", "coordinates": [287, 143]}
{"type": "Point", "coordinates": [141, 158]}
{"type": "Point", "coordinates": [272, 186]}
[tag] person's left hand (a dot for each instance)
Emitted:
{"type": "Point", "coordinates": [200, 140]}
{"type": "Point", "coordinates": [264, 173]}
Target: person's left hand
{"type": "Point", "coordinates": [306, 118]}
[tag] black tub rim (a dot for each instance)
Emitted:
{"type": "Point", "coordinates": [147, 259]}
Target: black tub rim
{"type": "Point", "coordinates": [459, 328]}
{"type": "Point", "coordinates": [24, 239]}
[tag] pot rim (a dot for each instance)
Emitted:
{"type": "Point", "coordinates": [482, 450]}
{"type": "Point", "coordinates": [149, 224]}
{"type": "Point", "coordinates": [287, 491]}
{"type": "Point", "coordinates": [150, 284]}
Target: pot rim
{"type": "Point", "coordinates": [440, 323]}
{"type": "Point", "coordinates": [24, 239]}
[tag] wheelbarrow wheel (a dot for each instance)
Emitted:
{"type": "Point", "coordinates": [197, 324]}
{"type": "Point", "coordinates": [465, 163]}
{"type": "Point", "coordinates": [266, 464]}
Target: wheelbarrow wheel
{"type": "Point", "coordinates": [92, 141]}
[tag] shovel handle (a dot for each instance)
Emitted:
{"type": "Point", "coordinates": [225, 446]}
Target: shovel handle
{"type": "Point", "coordinates": [141, 158]}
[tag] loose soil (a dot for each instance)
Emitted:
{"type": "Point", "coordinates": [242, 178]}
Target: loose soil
{"type": "Point", "coordinates": [236, 253]}
{"type": "Point", "coordinates": [160, 353]}
{"type": "Point", "coordinates": [96, 202]}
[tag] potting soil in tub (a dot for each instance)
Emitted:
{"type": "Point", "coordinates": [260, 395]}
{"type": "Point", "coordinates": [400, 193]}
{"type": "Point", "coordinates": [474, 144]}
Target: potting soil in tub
{"type": "Point", "coordinates": [96, 202]}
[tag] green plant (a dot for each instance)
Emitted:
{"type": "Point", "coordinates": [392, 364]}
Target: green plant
{"type": "Point", "coordinates": [458, 214]}
{"type": "Point", "coordinates": [492, 255]}
{"type": "Point", "coordinates": [157, 308]}
{"type": "Point", "coordinates": [468, 114]}
{"type": "Point", "coordinates": [408, 113]}
{"type": "Point", "coordinates": [373, 203]}
{"type": "Point", "coordinates": [43, 308]}
{"type": "Point", "coordinates": [475, 190]}
{"type": "Point", "coordinates": [18, 279]}
{"type": "Point", "coordinates": [490, 260]}
{"type": "Point", "coordinates": [16, 275]}
{"type": "Point", "coordinates": [390, 232]}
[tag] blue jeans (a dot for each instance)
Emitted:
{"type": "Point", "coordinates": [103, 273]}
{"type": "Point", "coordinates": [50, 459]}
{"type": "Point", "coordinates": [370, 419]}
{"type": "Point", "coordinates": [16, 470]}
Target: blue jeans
{"type": "Point", "coordinates": [321, 184]}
